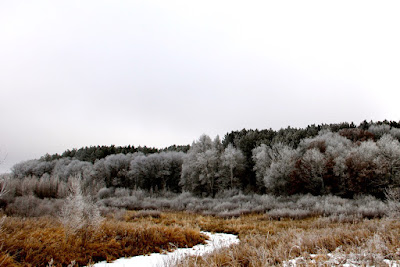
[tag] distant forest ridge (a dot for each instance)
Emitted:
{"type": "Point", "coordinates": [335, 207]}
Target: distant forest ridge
{"type": "Point", "coordinates": [93, 153]}
{"type": "Point", "coordinates": [340, 159]}
{"type": "Point", "coordinates": [289, 136]}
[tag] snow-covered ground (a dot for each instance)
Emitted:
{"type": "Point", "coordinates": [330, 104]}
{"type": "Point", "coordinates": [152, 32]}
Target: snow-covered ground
{"type": "Point", "coordinates": [341, 259]}
{"type": "Point", "coordinates": [215, 241]}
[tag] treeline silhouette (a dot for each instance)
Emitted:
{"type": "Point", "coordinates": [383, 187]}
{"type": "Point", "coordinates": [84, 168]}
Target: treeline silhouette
{"type": "Point", "coordinates": [341, 159]}
{"type": "Point", "coordinates": [93, 153]}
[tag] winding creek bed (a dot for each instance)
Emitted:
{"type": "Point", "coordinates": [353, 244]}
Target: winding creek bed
{"type": "Point", "coordinates": [215, 241]}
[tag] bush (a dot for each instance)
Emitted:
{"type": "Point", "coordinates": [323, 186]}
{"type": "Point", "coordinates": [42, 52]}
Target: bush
{"type": "Point", "coordinates": [105, 192]}
{"type": "Point", "coordinates": [79, 214]}
{"type": "Point", "coordinates": [144, 214]}
{"type": "Point", "coordinates": [31, 206]}
{"type": "Point", "coordinates": [290, 214]}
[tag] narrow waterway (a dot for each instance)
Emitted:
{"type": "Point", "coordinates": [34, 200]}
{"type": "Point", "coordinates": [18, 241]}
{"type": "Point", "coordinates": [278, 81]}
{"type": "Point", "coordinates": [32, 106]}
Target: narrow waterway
{"type": "Point", "coordinates": [214, 242]}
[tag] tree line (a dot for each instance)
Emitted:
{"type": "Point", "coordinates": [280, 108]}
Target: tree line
{"type": "Point", "coordinates": [340, 159]}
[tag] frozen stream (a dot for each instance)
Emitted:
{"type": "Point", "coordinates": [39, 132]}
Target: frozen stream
{"type": "Point", "coordinates": [215, 241]}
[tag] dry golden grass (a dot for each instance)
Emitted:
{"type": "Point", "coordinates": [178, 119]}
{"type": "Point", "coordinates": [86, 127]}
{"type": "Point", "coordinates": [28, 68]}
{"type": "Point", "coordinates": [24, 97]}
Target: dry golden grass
{"type": "Point", "coordinates": [263, 242]}
{"type": "Point", "coordinates": [35, 242]}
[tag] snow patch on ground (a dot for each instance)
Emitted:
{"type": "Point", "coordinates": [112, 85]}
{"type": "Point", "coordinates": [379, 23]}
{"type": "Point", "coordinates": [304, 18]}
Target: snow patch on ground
{"type": "Point", "coordinates": [215, 241]}
{"type": "Point", "coordinates": [341, 259]}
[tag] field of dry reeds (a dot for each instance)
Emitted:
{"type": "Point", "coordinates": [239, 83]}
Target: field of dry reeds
{"type": "Point", "coordinates": [38, 241]}
{"type": "Point", "coordinates": [264, 240]}
{"type": "Point", "coordinates": [273, 231]}
{"type": "Point", "coordinates": [316, 241]}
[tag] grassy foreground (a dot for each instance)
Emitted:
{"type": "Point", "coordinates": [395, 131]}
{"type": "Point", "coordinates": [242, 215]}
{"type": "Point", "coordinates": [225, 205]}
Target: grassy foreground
{"type": "Point", "coordinates": [263, 241]}
{"type": "Point", "coordinates": [266, 242]}
{"type": "Point", "coordinates": [37, 241]}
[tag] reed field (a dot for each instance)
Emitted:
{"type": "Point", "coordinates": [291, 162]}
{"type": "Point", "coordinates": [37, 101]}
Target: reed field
{"type": "Point", "coordinates": [264, 240]}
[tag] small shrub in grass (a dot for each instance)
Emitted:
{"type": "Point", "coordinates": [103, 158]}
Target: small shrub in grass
{"type": "Point", "coordinates": [143, 214]}
{"type": "Point", "coordinates": [269, 202]}
{"type": "Point", "coordinates": [232, 213]}
{"type": "Point", "coordinates": [393, 201]}
{"type": "Point", "coordinates": [343, 218]}
{"type": "Point", "coordinates": [284, 213]}
{"type": "Point", "coordinates": [164, 203]}
{"type": "Point", "coordinates": [182, 200]}
{"type": "Point", "coordinates": [31, 206]}
{"type": "Point", "coordinates": [240, 198]}
{"type": "Point", "coordinates": [248, 206]}
{"type": "Point", "coordinates": [258, 209]}
{"type": "Point", "coordinates": [335, 200]}
{"type": "Point", "coordinates": [228, 193]}
{"type": "Point", "coordinates": [22, 206]}
{"type": "Point", "coordinates": [308, 201]}
{"type": "Point", "coordinates": [224, 206]}
{"type": "Point", "coordinates": [149, 206]}
{"type": "Point", "coordinates": [129, 203]}
{"type": "Point", "coordinates": [79, 215]}
{"type": "Point", "coordinates": [168, 194]}
{"type": "Point", "coordinates": [371, 212]}
{"type": "Point", "coordinates": [197, 208]}
{"type": "Point", "coordinates": [105, 192]}
{"type": "Point", "coordinates": [139, 194]}
{"type": "Point", "coordinates": [122, 192]}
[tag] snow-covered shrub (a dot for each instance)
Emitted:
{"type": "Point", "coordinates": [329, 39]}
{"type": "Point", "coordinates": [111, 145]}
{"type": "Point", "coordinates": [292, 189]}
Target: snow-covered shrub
{"type": "Point", "coordinates": [290, 213]}
{"type": "Point", "coordinates": [225, 206]}
{"type": "Point", "coordinates": [31, 206]}
{"type": "Point", "coordinates": [105, 192]}
{"type": "Point", "coordinates": [122, 192]}
{"type": "Point", "coordinates": [79, 213]}
{"type": "Point", "coordinates": [393, 201]}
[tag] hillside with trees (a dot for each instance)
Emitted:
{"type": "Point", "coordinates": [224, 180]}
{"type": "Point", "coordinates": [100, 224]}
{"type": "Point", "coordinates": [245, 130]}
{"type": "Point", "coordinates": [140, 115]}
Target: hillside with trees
{"type": "Point", "coordinates": [339, 159]}
{"type": "Point", "coordinates": [333, 187]}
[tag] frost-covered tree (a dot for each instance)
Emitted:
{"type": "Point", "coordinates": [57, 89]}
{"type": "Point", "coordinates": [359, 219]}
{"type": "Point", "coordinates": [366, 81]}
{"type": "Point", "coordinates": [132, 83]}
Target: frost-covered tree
{"type": "Point", "coordinates": [356, 134]}
{"type": "Point", "coordinates": [388, 161]}
{"type": "Point", "coordinates": [379, 129]}
{"type": "Point", "coordinates": [117, 168]}
{"type": "Point", "coordinates": [201, 168]}
{"type": "Point", "coordinates": [263, 156]}
{"type": "Point", "coordinates": [47, 186]}
{"type": "Point", "coordinates": [171, 169]}
{"type": "Point", "coordinates": [310, 170]}
{"type": "Point", "coordinates": [32, 168]}
{"type": "Point", "coordinates": [275, 165]}
{"type": "Point", "coordinates": [65, 168]}
{"type": "Point", "coordinates": [278, 175]}
{"type": "Point", "coordinates": [139, 171]}
{"type": "Point", "coordinates": [159, 171]}
{"type": "Point", "coordinates": [114, 170]}
{"type": "Point", "coordinates": [335, 148]}
{"type": "Point", "coordinates": [361, 169]}
{"type": "Point", "coordinates": [234, 160]}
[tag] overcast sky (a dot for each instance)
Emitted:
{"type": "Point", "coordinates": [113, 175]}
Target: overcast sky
{"type": "Point", "coordinates": [157, 73]}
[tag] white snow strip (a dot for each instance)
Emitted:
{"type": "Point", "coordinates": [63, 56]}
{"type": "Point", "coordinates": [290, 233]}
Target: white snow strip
{"type": "Point", "coordinates": [215, 241]}
{"type": "Point", "coordinates": [337, 259]}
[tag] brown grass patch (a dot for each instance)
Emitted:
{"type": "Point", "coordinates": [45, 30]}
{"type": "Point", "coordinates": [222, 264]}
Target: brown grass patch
{"type": "Point", "coordinates": [35, 242]}
{"type": "Point", "coordinates": [263, 242]}
{"type": "Point", "coordinates": [266, 242]}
